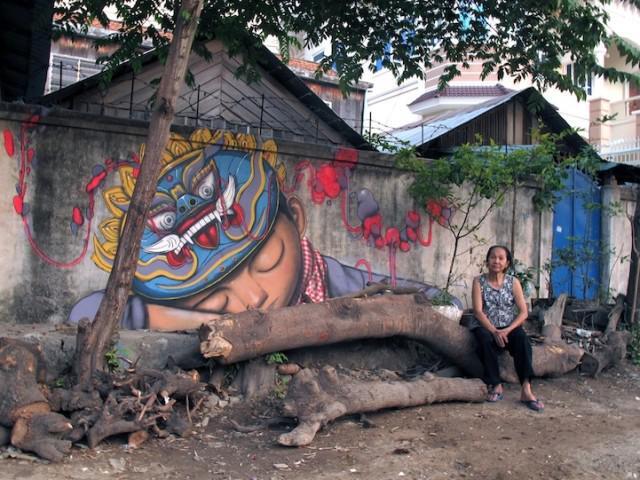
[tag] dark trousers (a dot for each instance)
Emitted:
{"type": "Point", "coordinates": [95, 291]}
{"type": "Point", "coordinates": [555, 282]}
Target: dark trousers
{"type": "Point", "coordinates": [488, 350]}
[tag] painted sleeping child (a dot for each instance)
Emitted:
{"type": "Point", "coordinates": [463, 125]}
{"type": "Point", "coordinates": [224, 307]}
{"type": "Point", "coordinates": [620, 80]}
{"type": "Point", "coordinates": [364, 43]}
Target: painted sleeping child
{"type": "Point", "coordinates": [220, 238]}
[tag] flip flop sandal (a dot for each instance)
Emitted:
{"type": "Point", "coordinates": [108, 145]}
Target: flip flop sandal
{"type": "Point", "coordinates": [535, 405]}
{"type": "Point", "coordinates": [495, 397]}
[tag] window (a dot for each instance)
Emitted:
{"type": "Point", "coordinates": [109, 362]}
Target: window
{"type": "Point", "coordinates": [318, 56]}
{"type": "Point", "coordinates": [634, 91]}
{"type": "Point", "coordinates": [586, 82]}
{"type": "Point", "coordinates": [65, 70]}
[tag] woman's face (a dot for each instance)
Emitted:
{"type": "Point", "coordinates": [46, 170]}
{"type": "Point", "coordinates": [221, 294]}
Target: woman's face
{"type": "Point", "coordinates": [269, 279]}
{"type": "Point", "coordinates": [497, 262]}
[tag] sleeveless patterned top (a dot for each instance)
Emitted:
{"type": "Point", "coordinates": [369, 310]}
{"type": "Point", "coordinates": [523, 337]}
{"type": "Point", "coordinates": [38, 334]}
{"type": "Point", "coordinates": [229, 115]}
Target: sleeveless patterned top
{"type": "Point", "coordinates": [498, 304]}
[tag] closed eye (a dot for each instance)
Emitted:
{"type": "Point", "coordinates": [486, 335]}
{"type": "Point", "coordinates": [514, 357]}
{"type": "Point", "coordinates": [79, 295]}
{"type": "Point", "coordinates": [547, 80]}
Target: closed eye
{"type": "Point", "coordinates": [268, 259]}
{"type": "Point", "coordinates": [217, 302]}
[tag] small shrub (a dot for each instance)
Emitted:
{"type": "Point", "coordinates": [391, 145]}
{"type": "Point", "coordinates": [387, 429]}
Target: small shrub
{"type": "Point", "coordinates": [276, 358]}
{"type": "Point", "coordinates": [634, 344]}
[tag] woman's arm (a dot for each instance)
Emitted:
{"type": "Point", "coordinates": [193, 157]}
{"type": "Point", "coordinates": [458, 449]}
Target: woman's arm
{"type": "Point", "coordinates": [476, 296]}
{"type": "Point", "coordinates": [499, 336]}
{"type": "Point", "coordinates": [170, 319]}
{"type": "Point", "coordinates": [521, 303]}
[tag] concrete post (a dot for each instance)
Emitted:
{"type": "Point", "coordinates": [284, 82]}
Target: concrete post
{"type": "Point", "coordinates": [608, 234]}
{"type": "Point", "coordinates": [599, 133]}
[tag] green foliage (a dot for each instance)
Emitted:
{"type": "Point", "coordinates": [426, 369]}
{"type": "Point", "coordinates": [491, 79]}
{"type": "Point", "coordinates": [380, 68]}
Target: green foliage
{"type": "Point", "coordinates": [634, 343]}
{"type": "Point", "coordinates": [277, 358]}
{"type": "Point", "coordinates": [111, 360]}
{"type": "Point", "coordinates": [443, 298]}
{"type": "Point", "coordinates": [526, 276]}
{"type": "Point", "coordinates": [59, 383]}
{"type": "Point", "coordinates": [281, 386]}
{"type": "Point", "coordinates": [476, 178]}
{"type": "Point", "coordinates": [382, 142]}
{"type": "Point", "coordinates": [489, 171]}
{"type": "Point", "coordinates": [522, 39]}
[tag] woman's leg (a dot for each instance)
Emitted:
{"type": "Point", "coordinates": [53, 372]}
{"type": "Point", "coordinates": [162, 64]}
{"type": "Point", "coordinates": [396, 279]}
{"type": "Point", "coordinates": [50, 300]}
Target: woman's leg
{"type": "Point", "coordinates": [520, 349]}
{"type": "Point", "coordinates": [488, 352]}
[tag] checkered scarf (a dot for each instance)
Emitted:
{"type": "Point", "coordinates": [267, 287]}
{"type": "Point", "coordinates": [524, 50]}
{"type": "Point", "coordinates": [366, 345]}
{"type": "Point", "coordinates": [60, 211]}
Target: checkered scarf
{"type": "Point", "coordinates": [314, 274]}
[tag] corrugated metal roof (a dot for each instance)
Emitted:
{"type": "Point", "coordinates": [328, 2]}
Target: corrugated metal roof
{"type": "Point", "coordinates": [426, 131]}
{"type": "Point", "coordinates": [464, 91]}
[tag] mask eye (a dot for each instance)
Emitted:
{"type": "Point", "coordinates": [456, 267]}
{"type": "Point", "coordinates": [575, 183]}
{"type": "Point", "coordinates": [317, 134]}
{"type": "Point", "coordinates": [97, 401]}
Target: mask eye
{"type": "Point", "coordinates": [206, 187]}
{"type": "Point", "coordinates": [165, 220]}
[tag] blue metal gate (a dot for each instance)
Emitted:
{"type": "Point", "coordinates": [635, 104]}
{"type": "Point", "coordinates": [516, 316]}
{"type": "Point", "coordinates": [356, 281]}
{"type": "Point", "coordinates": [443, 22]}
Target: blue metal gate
{"type": "Point", "coordinates": [576, 238]}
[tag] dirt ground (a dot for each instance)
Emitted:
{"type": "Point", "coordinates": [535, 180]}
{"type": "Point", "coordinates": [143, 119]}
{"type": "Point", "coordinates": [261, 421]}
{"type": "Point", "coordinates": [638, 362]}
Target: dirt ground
{"type": "Point", "coordinates": [590, 429]}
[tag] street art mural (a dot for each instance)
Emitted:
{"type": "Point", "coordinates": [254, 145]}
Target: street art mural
{"type": "Point", "coordinates": [226, 230]}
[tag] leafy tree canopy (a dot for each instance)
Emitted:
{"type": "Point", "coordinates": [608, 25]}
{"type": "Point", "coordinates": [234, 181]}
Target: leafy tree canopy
{"type": "Point", "coordinates": [520, 38]}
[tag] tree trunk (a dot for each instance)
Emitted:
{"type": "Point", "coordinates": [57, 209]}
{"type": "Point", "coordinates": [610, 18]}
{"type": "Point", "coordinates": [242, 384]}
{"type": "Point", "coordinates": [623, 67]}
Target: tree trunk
{"type": "Point", "coordinates": [90, 354]}
{"type": "Point", "coordinates": [609, 355]}
{"type": "Point", "coordinates": [317, 398]}
{"type": "Point", "coordinates": [250, 334]}
{"type": "Point", "coordinates": [634, 268]}
{"type": "Point", "coordinates": [552, 328]}
{"type": "Point", "coordinates": [24, 408]}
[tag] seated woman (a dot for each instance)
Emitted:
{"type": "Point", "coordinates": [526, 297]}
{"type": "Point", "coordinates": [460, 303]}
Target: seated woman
{"type": "Point", "coordinates": [500, 309]}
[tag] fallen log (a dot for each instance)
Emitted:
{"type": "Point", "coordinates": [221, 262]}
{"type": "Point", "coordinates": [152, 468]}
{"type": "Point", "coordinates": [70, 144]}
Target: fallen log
{"type": "Point", "coordinates": [23, 406]}
{"type": "Point", "coordinates": [135, 402]}
{"type": "Point", "coordinates": [254, 333]}
{"type": "Point", "coordinates": [610, 354]}
{"type": "Point", "coordinates": [319, 397]}
{"type": "Point", "coordinates": [549, 360]}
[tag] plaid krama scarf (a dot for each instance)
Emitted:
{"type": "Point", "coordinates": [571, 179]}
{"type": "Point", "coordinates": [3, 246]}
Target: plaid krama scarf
{"type": "Point", "coordinates": [314, 275]}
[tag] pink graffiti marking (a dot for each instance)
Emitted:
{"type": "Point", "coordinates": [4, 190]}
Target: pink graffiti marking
{"type": "Point", "coordinates": [331, 180]}
{"type": "Point", "coordinates": [27, 155]}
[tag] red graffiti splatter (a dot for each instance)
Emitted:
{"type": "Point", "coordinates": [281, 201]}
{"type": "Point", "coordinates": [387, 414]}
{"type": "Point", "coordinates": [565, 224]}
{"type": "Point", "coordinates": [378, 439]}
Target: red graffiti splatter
{"type": "Point", "coordinates": [96, 181]}
{"type": "Point", "coordinates": [439, 210]}
{"type": "Point", "coordinates": [392, 236]}
{"type": "Point", "coordinates": [8, 142]}
{"type": "Point", "coordinates": [326, 183]}
{"type": "Point", "coordinates": [412, 219]}
{"type": "Point", "coordinates": [367, 266]}
{"type": "Point", "coordinates": [372, 226]}
{"type": "Point", "coordinates": [426, 242]}
{"type": "Point", "coordinates": [27, 155]}
{"type": "Point", "coordinates": [18, 204]}
{"type": "Point", "coordinates": [348, 156]}
{"type": "Point", "coordinates": [77, 217]}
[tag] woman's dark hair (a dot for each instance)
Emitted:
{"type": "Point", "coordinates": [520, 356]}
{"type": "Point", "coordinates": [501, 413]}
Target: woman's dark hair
{"type": "Point", "coordinates": [507, 251]}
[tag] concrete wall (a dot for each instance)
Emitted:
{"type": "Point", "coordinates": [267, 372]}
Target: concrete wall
{"type": "Point", "coordinates": [48, 249]}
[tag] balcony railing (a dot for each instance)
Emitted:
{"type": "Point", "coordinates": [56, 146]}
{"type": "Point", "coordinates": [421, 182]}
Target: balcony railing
{"type": "Point", "coordinates": [622, 151]}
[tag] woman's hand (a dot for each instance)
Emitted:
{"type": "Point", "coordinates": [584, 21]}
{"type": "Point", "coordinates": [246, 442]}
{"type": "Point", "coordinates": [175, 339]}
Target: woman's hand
{"type": "Point", "coordinates": [501, 337]}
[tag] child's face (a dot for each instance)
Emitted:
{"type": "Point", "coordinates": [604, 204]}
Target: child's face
{"type": "Point", "coordinates": [269, 279]}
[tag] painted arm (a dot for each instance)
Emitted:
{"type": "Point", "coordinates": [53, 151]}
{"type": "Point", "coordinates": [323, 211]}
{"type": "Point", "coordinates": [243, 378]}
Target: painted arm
{"type": "Point", "coordinates": [139, 314]}
{"type": "Point", "coordinates": [343, 280]}
{"type": "Point", "coordinates": [134, 316]}
{"type": "Point", "coordinates": [169, 319]}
